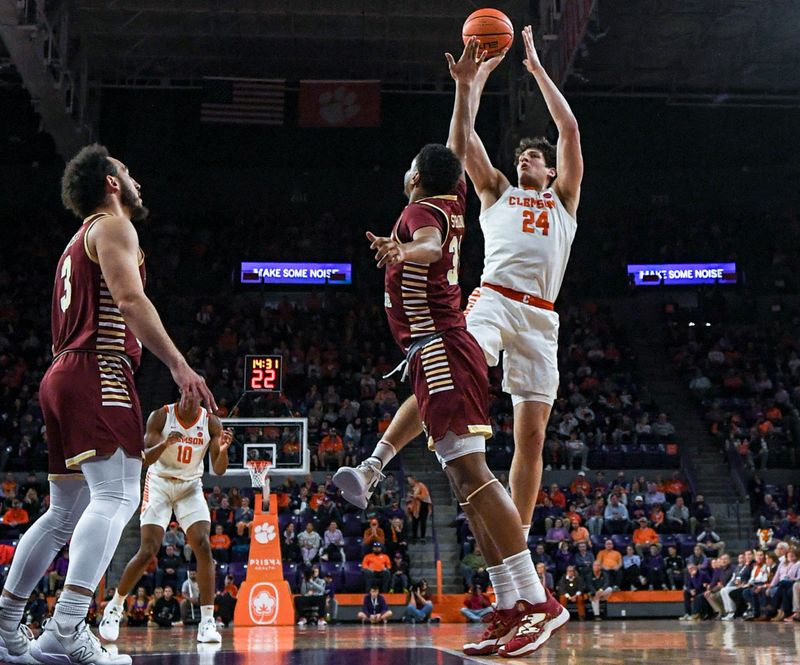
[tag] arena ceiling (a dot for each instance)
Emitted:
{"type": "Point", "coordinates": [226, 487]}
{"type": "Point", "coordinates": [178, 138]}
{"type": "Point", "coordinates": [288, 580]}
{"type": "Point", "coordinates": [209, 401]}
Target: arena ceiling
{"type": "Point", "coordinates": [718, 48]}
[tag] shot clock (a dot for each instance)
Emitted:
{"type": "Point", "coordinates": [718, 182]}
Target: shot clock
{"type": "Point", "coordinates": [263, 374]}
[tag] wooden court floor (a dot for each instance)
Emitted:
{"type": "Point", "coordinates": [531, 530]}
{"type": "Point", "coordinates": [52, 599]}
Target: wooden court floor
{"type": "Point", "coordinates": [657, 642]}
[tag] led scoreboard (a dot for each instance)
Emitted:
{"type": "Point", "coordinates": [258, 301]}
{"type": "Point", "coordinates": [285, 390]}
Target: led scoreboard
{"type": "Point", "coordinates": [263, 374]}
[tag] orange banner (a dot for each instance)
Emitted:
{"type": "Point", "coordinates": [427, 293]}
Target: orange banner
{"type": "Point", "coordinates": [265, 598]}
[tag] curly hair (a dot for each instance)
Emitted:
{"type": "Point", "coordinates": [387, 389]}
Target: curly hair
{"type": "Point", "coordinates": [83, 183]}
{"type": "Point", "coordinates": [541, 144]}
{"type": "Point", "coordinates": [439, 168]}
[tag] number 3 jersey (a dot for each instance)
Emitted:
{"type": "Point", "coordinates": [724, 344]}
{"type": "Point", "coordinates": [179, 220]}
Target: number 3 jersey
{"type": "Point", "coordinates": [528, 237]}
{"type": "Point", "coordinates": [183, 460]}
{"type": "Point", "coordinates": [84, 315]}
{"type": "Point", "coordinates": [424, 299]}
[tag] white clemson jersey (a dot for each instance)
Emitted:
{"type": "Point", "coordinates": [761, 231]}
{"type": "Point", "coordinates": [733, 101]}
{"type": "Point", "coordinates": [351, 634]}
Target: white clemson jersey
{"type": "Point", "coordinates": [528, 236]}
{"type": "Point", "coordinates": [183, 460]}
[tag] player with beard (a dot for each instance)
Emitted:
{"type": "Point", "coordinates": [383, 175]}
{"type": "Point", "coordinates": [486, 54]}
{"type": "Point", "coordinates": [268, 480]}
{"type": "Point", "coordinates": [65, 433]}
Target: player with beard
{"type": "Point", "coordinates": [91, 411]}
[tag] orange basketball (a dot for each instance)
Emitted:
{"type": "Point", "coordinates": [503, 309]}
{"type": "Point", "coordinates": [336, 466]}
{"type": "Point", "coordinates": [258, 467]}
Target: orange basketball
{"type": "Point", "coordinates": [493, 29]}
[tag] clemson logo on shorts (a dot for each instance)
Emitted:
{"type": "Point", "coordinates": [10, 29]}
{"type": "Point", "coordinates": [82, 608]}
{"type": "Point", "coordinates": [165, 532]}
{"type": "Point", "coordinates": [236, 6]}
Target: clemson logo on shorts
{"type": "Point", "coordinates": [264, 601]}
{"type": "Point", "coordinates": [264, 533]}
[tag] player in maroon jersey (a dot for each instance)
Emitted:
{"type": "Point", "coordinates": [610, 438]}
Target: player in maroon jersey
{"type": "Point", "coordinates": [91, 410]}
{"type": "Point", "coordinates": [448, 370]}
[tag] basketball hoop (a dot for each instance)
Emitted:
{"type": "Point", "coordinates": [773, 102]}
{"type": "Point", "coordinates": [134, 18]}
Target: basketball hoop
{"type": "Point", "coordinates": [259, 477]}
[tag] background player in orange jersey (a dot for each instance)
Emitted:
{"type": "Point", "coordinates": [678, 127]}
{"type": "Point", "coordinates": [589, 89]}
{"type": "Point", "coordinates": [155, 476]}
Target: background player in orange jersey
{"type": "Point", "coordinates": [176, 440]}
{"type": "Point", "coordinates": [91, 410]}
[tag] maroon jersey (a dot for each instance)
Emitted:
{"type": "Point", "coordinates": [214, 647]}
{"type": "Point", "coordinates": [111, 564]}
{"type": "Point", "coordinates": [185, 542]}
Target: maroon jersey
{"type": "Point", "coordinates": [84, 315]}
{"type": "Point", "coordinates": [424, 299]}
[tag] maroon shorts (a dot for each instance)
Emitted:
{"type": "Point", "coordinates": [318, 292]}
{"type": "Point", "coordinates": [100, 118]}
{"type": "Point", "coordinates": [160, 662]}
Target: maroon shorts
{"type": "Point", "coordinates": [450, 380]}
{"type": "Point", "coordinates": [90, 409]}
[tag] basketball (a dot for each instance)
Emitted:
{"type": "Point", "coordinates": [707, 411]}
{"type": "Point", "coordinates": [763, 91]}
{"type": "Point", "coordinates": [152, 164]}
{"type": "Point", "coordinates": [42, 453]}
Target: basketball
{"type": "Point", "coordinates": [493, 29]}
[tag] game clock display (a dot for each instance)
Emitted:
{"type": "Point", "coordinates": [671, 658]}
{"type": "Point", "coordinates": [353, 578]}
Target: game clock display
{"type": "Point", "coordinates": [263, 374]}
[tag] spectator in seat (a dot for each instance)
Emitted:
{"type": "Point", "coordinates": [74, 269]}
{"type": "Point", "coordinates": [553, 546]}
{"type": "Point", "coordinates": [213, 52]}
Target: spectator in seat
{"type": "Point", "coordinates": [396, 541]}
{"type": "Point", "coordinates": [377, 568]}
{"type": "Point", "coordinates": [637, 510]}
{"type": "Point", "coordinates": [15, 519]}
{"type": "Point", "coordinates": [579, 534]}
{"type": "Point", "coordinates": [699, 558]}
{"type": "Point", "coordinates": [166, 611]}
{"type": "Point", "coordinates": [36, 609]}
{"type": "Point", "coordinates": [562, 557]}
{"type": "Point", "coordinates": [310, 543]}
{"type": "Point", "coordinates": [243, 517]}
{"type": "Point", "coordinates": [220, 545]}
{"type": "Point", "coordinates": [731, 593]}
{"type": "Point", "coordinates": [755, 593]}
{"type": "Point", "coordinates": [644, 537]}
{"type": "Point", "coordinates": [545, 577]}
{"type": "Point", "coordinates": [374, 609]}
{"type": "Point", "coordinates": [631, 569]}
{"type": "Point", "coordinates": [393, 510]}
{"type": "Point", "coordinates": [782, 584]}
{"type": "Point", "coordinates": [9, 486]}
{"type": "Point", "coordinates": [583, 559]}
{"type": "Point", "coordinates": [557, 533]}
{"type": "Point", "coordinates": [190, 605]}
{"type": "Point", "coordinates": [58, 572]}
{"type": "Point", "coordinates": [331, 450]}
{"type": "Point", "coordinates": [333, 543]}
{"type": "Point", "coordinates": [331, 605]}
{"type": "Point", "coordinates": [373, 534]}
{"type": "Point", "coordinates": [700, 515]}
{"type": "Point", "coordinates": [557, 497]}
{"type": "Point", "coordinates": [290, 550]}
{"type": "Point", "coordinates": [137, 610]}
{"type": "Point", "coordinates": [540, 556]}
{"type": "Point", "coordinates": [662, 428]}
{"type": "Point", "coordinates": [693, 588]}
{"type": "Point", "coordinates": [226, 602]}
{"type": "Point", "coordinates": [653, 568]}
{"type": "Point", "coordinates": [674, 487]}
{"type": "Point", "coordinates": [580, 484]}
{"type": "Point", "coordinates": [594, 515]}
{"type": "Point", "coordinates": [654, 495]}
{"type": "Point", "coordinates": [554, 453]}
{"type": "Point", "coordinates": [158, 593]}
{"type": "Point", "coordinates": [400, 575]}
{"type": "Point", "coordinates": [418, 603]}
{"type": "Point", "coordinates": [390, 491]}
{"type": "Point", "coordinates": [674, 568]}
{"type": "Point", "coordinates": [611, 561]}
{"type": "Point", "coordinates": [171, 568]}
{"type": "Point", "coordinates": [571, 590]}
{"type": "Point", "coordinates": [311, 600]}
{"type": "Point", "coordinates": [678, 517]}
{"type": "Point", "coordinates": [615, 516]}
{"type": "Point", "coordinates": [223, 516]}
{"type": "Point", "coordinates": [175, 537]}
{"type": "Point", "coordinates": [471, 565]}
{"type": "Point", "coordinates": [576, 448]}
{"type": "Point", "coordinates": [711, 542]}
{"type": "Point", "coordinates": [599, 588]}
{"type": "Point", "coordinates": [476, 605]}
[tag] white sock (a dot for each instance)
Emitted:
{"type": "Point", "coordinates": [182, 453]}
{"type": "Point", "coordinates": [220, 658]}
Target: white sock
{"type": "Point", "coordinates": [526, 531]}
{"type": "Point", "coordinates": [596, 607]}
{"type": "Point", "coordinates": [11, 611]}
{"type": "Point", "coordinates": [523, 574]}
{"type": "Point", "coordinates": [117, 600]}
{"type": "Point", "coordinates": [206, 612]}
{"type": "Point", "coordinates": [503, 586]}
{"type": "Point", "coordinates": [71, 608]}
{"type": "Point", "coordinates": [384, 452]}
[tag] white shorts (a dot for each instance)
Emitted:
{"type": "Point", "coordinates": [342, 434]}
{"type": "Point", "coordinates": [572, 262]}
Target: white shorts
{"type": "Point", "coordinates": [163, 496]}
{"type": "Point", "coordinates": [453, 446]}
{"type": "Point", "coordinates": [528, 336]}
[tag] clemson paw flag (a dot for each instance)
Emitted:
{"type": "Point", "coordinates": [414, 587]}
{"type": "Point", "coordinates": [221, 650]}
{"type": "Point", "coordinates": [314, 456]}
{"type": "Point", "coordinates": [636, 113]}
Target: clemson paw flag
{"type": "Point", "coordinates": [339, 104]}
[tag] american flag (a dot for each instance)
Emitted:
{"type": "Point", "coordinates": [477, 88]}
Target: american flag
{"type": "Point", "coordinates": [243, 101]}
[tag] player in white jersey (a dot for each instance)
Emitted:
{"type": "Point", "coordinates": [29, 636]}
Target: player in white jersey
{"type": "Point", "coordinates": [176, 441]}
{"type": "Point", "coordinates": [528, 231]}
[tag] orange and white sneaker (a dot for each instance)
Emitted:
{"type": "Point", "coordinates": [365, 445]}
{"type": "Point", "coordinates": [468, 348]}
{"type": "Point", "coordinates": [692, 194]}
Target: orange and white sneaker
{"type": "Point", "coordinates": [502, 625]}
{"type": "Point", "coordinates": [535, 625]}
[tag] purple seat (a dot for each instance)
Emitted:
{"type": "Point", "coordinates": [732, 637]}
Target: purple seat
{"type": "Point", "coordinates": [621, 541]}
{"type": "Point", "coordinates": [351, 526]}
{"type": "Point", "coordinates": [283, 521]}
{"type": "Point", "coordinates": [598, 542]}
{"type": "Point", "coordinates": [238, 570]}
{"type": "Point", "coordinates": [335, 570]}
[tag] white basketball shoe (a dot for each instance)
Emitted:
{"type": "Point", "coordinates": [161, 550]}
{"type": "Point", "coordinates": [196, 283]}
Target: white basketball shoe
{"type": "Point", "coordinates": [81, 647]}
{"type": "Point", "coordinates": [207, 632]}
{"type": "Point", "coordinates": [109, 625]}
{"type": "Point", "coordinates": [358, 484]}
{"type": "Point", "coordinates": [15, 646]}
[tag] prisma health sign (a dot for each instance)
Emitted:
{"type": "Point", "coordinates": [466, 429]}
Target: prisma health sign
{"type": "Point", "coordinates": [261, 272]}
{"type": "Point", "coordinates": [682, 274]}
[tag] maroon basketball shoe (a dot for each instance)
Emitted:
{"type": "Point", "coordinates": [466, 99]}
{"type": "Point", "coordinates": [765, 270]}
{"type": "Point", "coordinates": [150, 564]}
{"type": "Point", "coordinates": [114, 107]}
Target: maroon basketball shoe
{"type": "Point", "coordinates": [502, 624]}
{"type": "Point", "coordinates": [536, 624]}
